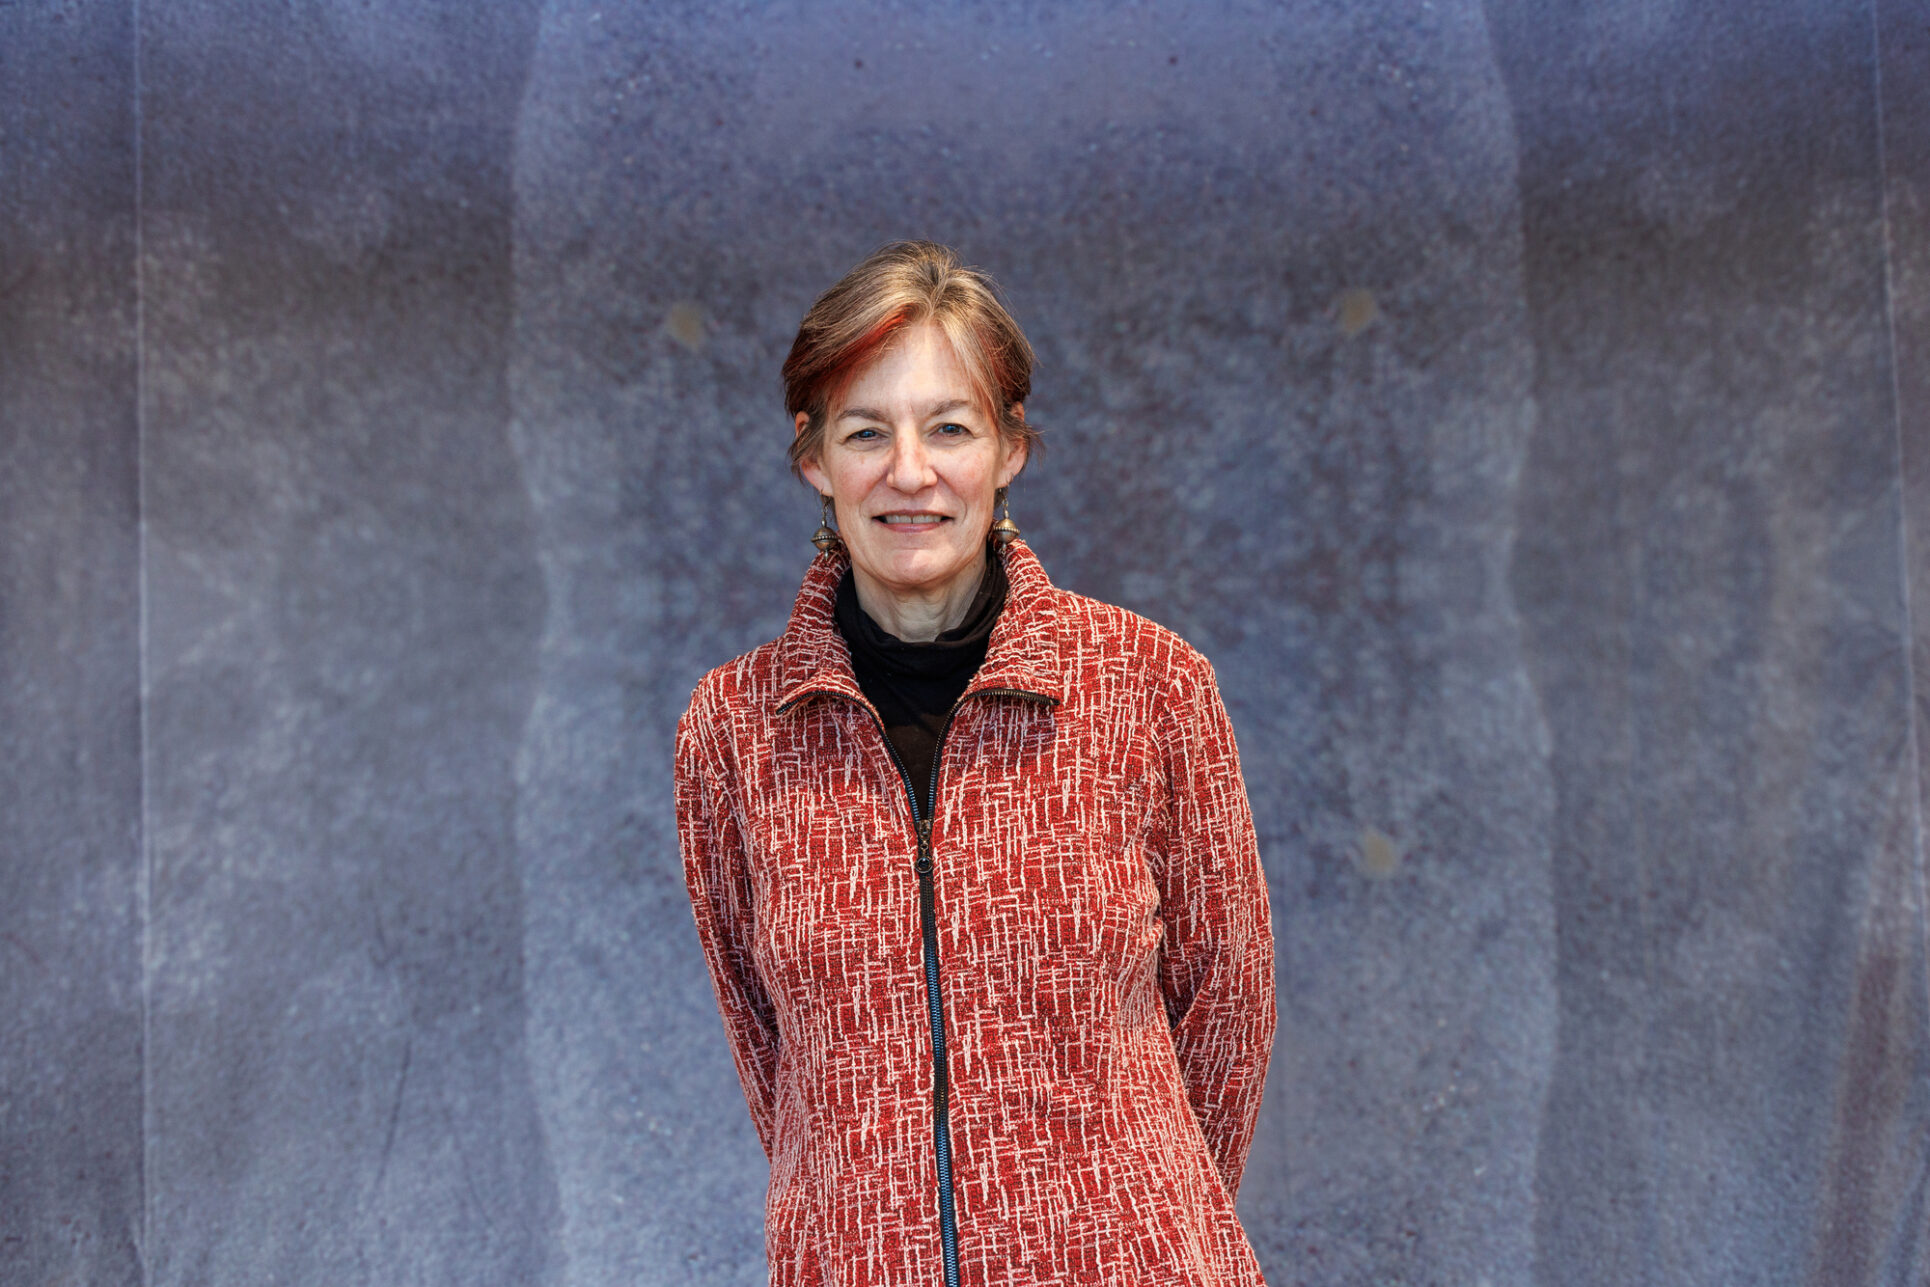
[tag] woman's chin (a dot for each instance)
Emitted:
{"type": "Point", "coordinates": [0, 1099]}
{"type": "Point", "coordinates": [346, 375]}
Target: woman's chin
{"type": "Point", "coordinates": [916, 571]}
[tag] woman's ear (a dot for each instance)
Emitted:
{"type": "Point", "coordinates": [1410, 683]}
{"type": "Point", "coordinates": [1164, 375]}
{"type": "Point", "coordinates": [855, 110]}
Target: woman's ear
{"type": "Point", "coordinates": [813, 472]}
{"type": "Point", "coordinates": [1015, 452]}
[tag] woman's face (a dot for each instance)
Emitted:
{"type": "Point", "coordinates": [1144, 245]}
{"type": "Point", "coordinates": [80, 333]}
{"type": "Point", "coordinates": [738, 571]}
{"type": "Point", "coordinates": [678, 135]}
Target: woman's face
{"type": "Point", "coordinates": [910, 460]}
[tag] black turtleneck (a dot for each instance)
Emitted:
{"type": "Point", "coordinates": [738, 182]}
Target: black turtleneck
{"type": "Point", "coordinates": [915, 685]}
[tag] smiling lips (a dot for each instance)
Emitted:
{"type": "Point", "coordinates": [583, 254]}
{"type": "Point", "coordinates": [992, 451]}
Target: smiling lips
{"type": "Point", "coordinates": [912, 520]}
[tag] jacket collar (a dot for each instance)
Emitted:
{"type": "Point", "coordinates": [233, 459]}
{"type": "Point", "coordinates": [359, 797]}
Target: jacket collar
{"type": "Point", "coordinates": [1022, 656]}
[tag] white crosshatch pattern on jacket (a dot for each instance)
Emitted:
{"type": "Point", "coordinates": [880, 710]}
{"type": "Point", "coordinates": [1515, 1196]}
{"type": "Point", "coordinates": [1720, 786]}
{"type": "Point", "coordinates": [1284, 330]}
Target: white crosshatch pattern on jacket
{"type": "Point", "coordinates": [1104, 938]}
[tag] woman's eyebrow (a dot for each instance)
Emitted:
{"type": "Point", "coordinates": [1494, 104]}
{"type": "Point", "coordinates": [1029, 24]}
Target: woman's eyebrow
{"type": "Point", "coordinates": [935, 409]}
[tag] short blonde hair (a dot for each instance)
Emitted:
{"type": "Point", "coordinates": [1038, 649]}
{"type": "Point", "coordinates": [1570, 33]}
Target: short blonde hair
{"type": "Point", "coordinates": [905, 284]}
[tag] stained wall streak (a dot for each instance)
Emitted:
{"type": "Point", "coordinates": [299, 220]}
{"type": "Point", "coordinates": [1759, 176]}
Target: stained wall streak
{"type": "Point", "coordinates": [344, 614]}
{"type": "Point", "coordinates": [1903, 51]}
{"type": "Point", "coordinates": [1708, 567]}
{"type": "Point", "coordinates": [70, 789]}
{"type": "Point", "coordinates": [1271, 259]}
{"type": "Point", "coordinates": [1905, 65]}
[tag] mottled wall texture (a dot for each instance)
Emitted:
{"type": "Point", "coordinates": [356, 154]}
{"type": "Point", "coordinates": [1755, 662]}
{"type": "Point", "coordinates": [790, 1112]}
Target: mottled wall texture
{"type": "Point", "coordinates": [1524, 403]}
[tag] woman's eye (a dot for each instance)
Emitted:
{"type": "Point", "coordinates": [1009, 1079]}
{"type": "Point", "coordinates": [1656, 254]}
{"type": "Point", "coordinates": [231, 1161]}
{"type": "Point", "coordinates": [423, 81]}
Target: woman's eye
{"type": "Point", "coordinates": [955, 430]}
{"type": "Point", "coordinates": [863, 435]}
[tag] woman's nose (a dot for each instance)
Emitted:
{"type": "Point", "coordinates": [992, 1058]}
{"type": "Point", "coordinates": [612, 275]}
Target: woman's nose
{"type": "Point", "coordinates": [911, 469]}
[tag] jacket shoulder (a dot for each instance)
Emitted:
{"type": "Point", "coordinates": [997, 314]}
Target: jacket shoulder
{"type": "Point", "coordinates": [1103, 631]}
{"type": "Point", "coordinates": [726, 692]}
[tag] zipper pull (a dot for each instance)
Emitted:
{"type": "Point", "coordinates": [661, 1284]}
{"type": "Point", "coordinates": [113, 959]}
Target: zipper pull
{"type": "Point", "coordinates": [924, 845]}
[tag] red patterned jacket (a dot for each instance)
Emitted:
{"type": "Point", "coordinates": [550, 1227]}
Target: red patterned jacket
{"type": "Point", "coordinates": [1099, 929]}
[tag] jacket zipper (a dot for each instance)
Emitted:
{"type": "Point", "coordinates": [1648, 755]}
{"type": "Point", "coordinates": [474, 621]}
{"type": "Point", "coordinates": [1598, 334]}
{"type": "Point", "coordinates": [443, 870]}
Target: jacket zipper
{"type": "Point", "coordinates": [934, 997]}
{"type": "Point", "coordinates": [928, 929]}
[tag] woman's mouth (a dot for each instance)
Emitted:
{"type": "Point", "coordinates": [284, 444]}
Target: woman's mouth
{"type": "Point", "coordinates": [912, 522]}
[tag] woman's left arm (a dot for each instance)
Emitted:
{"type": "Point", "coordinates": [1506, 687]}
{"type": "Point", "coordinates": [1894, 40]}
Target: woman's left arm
{"type": "Point", "coordinates": [1216, 971]}
{"type": "Point", "coordinates": [718, 877]}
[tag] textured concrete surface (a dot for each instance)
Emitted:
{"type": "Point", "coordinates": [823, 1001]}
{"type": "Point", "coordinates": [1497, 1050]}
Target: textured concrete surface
{"type": "Point", "coordinates": [1904, 65]}
{"type": "Point", "coordinates": [1286, 429]}
{"type": "Point", "coordinates": [1524, 407]}
{"type": "Point", "coordinates": [344, 610]}
{"type": "Point", "coordinates": [1708, 569]}
{"type": "Point", "coordinates": [1905, 71]}
{"type": "Point", "coordinates": [70, 753]}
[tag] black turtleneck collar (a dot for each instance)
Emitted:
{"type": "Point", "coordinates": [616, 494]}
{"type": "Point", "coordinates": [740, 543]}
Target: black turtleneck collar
{"type": "Point", "coordinates": [915, 685]}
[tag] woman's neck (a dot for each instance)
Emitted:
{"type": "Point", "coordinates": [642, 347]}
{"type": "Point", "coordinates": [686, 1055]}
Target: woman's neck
{"type": "Point", "coordinates": [917, 617]}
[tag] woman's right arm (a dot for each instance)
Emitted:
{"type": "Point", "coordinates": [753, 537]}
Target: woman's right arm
{"type": "Point", "coordinates": [716, 872]}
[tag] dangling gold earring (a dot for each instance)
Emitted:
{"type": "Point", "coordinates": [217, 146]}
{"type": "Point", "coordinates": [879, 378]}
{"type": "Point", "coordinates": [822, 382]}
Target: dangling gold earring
{"type": "Point", "coordinates": [826, 537]}
{"type": "Point", "coordinates": [1005, 531]}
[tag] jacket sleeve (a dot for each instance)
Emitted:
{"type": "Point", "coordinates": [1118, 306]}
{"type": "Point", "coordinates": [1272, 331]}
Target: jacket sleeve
{"type": "Point", "coordinates": [1216, 970]}
{"type": "Point", "coordinates": [718, 877]}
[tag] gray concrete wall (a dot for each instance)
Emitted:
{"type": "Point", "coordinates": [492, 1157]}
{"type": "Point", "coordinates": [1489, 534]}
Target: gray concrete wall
{"type": "Point", "coordinates": [72, 977]}
{"type": "Point", "coordinates": [1527, 408]}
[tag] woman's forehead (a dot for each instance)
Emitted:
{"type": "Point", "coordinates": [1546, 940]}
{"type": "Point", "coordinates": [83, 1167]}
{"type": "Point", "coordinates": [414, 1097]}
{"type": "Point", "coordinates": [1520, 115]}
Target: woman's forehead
{"type": "Point", "coordinates": [917, 371]}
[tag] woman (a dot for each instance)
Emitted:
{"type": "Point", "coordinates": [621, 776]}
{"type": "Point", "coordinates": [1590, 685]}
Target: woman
{"type": "Point", "coordinates": [970, 855]}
